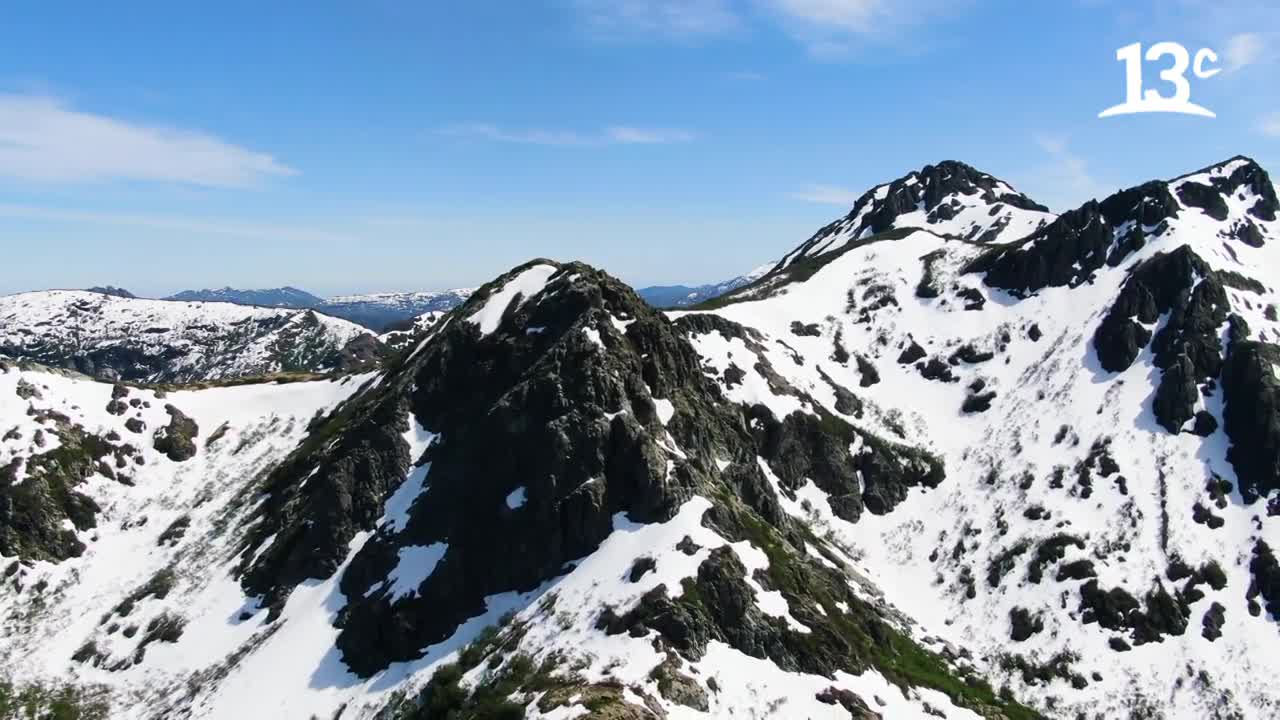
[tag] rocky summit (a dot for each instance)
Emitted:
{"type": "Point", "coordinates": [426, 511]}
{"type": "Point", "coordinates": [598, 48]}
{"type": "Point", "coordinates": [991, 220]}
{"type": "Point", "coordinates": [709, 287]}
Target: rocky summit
{"type": "Point", "coordinates": [952, 456]}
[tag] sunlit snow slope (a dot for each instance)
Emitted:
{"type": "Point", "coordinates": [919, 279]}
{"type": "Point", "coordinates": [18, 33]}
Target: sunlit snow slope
{"type": "Point", "coordinates": [1103, 396]}
{"type": "Point", "coordinates": [119, 546]}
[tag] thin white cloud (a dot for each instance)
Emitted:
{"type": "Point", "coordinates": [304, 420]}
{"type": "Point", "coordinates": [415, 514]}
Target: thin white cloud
{"type": "Point", "coordinates": [1243, 50]}
{"type": "Point", "coordinates": [828, 195]}
{"type": "Point", "coordinates": [175, 224]}
{"type": "Point", "coordinates": [486, 131]}
{"type": "Point", "coordinates": [668, 19]}
{"type": "Point", "coordinates": [833, 29]}
{"type": "Point", "coordinates": [615, 135]}
{"type": "Point", "coordinates": [647, 136]}
{"type": "Point", "coordinates": [747, 76]}
{"type": "Point", "coordinates": [44, 140]}
{"type": "Point", "coordinates": [856, 16]}
{"type": "Point", "coordinates": [1065, 182]}
{"type": "Point", "coordinates": [1270, 125]}
{"type": "Point", "coordinates": [829, 29]}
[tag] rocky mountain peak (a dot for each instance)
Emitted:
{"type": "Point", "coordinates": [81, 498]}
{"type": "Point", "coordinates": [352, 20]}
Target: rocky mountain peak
{"type": "Point", "coordinates": [949, 198]}
{"type": "Point", "coordinates": [564, 368]}
{"type": "Point", "coordinates": [550, 411]}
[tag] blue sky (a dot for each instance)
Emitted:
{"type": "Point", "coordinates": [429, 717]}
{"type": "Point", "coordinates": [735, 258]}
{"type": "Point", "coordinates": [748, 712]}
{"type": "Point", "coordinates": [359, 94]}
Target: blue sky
{"type": "Point", "coordinates": [384, 145]}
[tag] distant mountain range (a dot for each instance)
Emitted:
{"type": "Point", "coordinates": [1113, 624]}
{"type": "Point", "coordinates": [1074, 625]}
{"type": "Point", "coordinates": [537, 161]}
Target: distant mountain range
{"type": "Point", "coordinates": [285, 297]}
{"type": "Point", "coordinates": [377, 311]}
{"type": "Point", "coordinates": [382, 312]}
{"type": "Point", "coordinates": [672, 296]}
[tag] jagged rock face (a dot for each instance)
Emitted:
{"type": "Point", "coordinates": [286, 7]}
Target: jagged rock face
{"type": "Point", "coordinates": [1252, 416]}
{"type": "Point", "coordinates": [352, 462]}
{"type": "Point", "coordinates": [802, 448]}
{"type": "Point", "coordinates": [117, 338]}
{"type": "Point", "coordinates": [1192, 299]}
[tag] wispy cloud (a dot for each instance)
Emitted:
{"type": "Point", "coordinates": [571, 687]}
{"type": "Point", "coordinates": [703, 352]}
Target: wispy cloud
{"type": "Point", "coordinates": [1243, 50]}
{"type": "Point", "coordinates": [1065, 181]}
{"type": "Point", "coordinates": [747, 76]}
{"type": "Point", "coordinates": [1269, 125]}
{"type": "Point", "coordinates": [856, 16]}
{"type": "Point", "coordinates": [614, 135]}
{"type": "Point", "coordinates": [647, 136]}
{"type": "Point", "coordinates": [832, 29]}
{"type": "Point", "coordinates": [828, 195]}
{"type": "Point", "coordinates": [44, 140]}
{"type": "Point", "coordinates": [827, 28]}
{"type": "Point", "coordinates": [668, 19]}
{"type": "Point", "coordinates": [176, 224]}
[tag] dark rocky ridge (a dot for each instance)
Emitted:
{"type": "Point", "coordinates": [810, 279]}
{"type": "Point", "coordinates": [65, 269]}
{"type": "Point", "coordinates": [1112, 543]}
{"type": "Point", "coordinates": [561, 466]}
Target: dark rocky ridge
{"type": "Point", "coordinates": [1068, 251]}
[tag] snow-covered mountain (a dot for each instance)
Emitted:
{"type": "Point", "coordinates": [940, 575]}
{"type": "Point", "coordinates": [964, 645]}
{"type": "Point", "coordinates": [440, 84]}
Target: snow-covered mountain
{"type": "Point", "coordinates": [172, 341]}
{"type": "Point", "coordinates": [283, 297]}
{"type": "Point", "coordinates": [384, 311]}
{"type": "Point", "coordinates": [949, 199]}
{"type": "Point", "coordinates": [1103, 394]}
{"type": "Point", "coordinates": [913, 476]}
{"type": "Point", "coordinates": [673, 296]}
{"type": "Point", "coordinates": [379, 312]}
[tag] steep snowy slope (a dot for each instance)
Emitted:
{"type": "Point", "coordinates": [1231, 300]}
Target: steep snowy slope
{"type": "Point", "coordinates": [169, 341]}
{"type": "Point", "coordinates": [121, 514]}
{"type": "Point", "coordinates": [548, 462]}
{"type": "Point", "coordinates": [1103, 395]}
